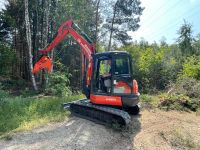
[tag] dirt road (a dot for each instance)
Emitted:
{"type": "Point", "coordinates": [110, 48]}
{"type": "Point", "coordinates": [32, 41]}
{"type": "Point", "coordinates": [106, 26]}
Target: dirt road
{"type": "Point", "coordinates": [151, 130]}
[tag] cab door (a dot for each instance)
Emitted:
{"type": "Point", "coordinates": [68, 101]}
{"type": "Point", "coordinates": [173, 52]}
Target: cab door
{"type": "Point", "coordinates": [122, 75]}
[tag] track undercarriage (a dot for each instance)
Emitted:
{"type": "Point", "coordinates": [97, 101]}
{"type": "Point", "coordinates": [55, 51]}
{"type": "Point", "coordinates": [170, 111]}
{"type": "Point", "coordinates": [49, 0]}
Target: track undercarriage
{"type": "Point", "coordinates": [98, 113]}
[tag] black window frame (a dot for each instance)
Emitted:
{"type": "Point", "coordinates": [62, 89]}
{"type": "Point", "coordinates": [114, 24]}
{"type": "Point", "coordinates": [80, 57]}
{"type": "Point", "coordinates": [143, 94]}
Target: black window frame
{"type": "Point", "coordinates": [123, 77]}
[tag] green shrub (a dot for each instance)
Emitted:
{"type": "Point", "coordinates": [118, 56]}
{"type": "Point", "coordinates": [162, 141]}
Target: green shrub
{"type": "Point", "coordinates": [146, 98]}
{"type": "Point", "coordinates": [7, 58]}
{"type": "Point", "coordinates": [178, 102]}
{"type": "Point", "coordinates": [58, 84]}
{"type": "Point", "coordinates": [191, 67]}
{"type": "Point", "coordinates": [27, 92]}
{"type": "Point", "coordinates": [186, 86]}
{"type": "Point", "coordinates": [3, 94]}
{"type": "Point", "coordinates": [13, 84]}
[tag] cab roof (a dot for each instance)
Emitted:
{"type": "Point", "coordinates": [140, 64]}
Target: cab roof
{"type": "Point", "coordinates": [110, 53]}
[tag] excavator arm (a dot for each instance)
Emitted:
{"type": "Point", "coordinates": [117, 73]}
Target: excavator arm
{"type": "Point", "coordinates": [88, 48]}
{"type": "Point", "coordinates": [67, 28]}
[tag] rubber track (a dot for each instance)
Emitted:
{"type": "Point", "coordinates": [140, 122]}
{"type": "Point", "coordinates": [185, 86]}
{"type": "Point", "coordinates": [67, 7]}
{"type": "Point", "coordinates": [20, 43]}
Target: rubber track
{"type": "Point", "coordinates": [98, 113]}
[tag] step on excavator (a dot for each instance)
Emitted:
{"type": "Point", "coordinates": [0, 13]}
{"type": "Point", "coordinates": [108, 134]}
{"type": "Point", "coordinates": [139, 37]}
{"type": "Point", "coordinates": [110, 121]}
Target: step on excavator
{"type": "Point", "coordinates": [107, 82]}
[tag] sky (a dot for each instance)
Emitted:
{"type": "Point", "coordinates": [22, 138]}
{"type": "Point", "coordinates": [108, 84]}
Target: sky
{"type": "Point", "coordinates": [164, 18]}
{"type": "Point", "coordinates": [2, 2]}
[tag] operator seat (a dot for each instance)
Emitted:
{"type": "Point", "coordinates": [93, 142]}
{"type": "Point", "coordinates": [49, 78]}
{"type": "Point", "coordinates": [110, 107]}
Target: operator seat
{"type": "Point", "coordinates": [107, 84]}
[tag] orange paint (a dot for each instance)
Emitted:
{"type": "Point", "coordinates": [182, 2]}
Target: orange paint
{"type": "Point", "coordinates": [89, 72]}
{"type": "Point", "coordinates": [44, 63]}
{"type": "Point", "coordinates": [135, 87]}
{"type": "Point", "coordinates": [106, 100]}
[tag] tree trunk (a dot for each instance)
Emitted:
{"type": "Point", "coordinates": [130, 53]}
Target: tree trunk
{"type": "Point", "coordinates": [35, 33]}
{"type": "Point", "coordinates": [111, 30]}
{"type": "Point", "coordinates": [29, 43]}
{"type": "Point", "coordinates": [97, 14]}
{"type": "Point", "coordinates": [46, 23]}
{"type": "Point", "coordinates": [45, 29]}
{"type": "Point", "coordinates": [47, 5]}
{"type": "Point", "coordinates": [54, 11]}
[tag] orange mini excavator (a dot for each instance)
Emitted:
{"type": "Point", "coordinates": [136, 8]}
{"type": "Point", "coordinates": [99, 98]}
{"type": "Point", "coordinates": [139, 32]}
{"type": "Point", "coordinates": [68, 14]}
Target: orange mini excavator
{"type": "Point", "coordinates": [110, 89]}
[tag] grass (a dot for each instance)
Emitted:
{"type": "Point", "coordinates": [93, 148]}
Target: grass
{"type": "Point", "coordinates": [198, 112]}
{"type": "Point", "coordinates": [149, 101]}
{"type": "Point", "coordinates": [179, 139]}
{"type": "Point", "coordinates": [25, 113]}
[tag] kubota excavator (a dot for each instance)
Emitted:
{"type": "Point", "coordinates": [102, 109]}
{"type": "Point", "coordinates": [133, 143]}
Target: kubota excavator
{"type": "Point", "coordinates": [111, 91]}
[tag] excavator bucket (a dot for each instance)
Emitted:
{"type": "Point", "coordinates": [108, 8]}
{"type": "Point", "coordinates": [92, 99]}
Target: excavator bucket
{"type": "Point", "coordinates": [44, 63]}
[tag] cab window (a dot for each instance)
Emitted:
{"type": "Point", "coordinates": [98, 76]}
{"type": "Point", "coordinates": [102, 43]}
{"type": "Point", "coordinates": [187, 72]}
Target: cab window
{"type": "Point", "coordinates": [122, 66]}
{"type": "Point", "coordinates": [105, 67]}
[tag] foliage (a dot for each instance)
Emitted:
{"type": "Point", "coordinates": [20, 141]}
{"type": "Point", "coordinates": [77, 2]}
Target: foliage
{"type": "Point", "coordinates": [149, 101]}
{"type": "Point", "coordinates": [146, 98]}
{"type": "Point", "coordinates": [12, 85]}
{"type": "Point", "coordinates": [5, 24]}
{"type": "Point", "coordinates": [45, 18]}
{"type": "Point", "coordinates": [123, 16]}
{"type": "Point", "coordinates": [178, 102]}
{"type": "Point", "coordinates": [191, 67]}
{"type": "Point", "coordinates": [150, 64]}
{"type": "Point", "coordinates": [58, 84]}
{"type": "Point", "coordinates": [185, 39]}
{"type": "Point", "coordinates": [170, 101]}
{"type": "Point", "coordinates": [7, 58]}
{"type": "Point", "coordinates": [17, 113]}
{"type": "Point", "coordinates": [154, 66]}
{"type": "Point", "coordinates": [3, 94]}
{"type": "Point", "coordinates": [196, 45]}
{"type": "Point", "coordinates": [187, 86]}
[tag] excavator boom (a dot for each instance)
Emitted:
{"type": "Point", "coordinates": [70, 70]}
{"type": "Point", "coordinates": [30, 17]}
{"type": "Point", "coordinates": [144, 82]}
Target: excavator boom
{"type": "Point", "coordinates": [67, 28]}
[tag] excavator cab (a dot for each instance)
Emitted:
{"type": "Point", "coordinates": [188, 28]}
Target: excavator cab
{"type": "Point", "coordinates": [112, 81]}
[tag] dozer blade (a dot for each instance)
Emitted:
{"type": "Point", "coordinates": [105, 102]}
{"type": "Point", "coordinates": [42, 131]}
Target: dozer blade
{"type": "Point", "coordinates": [98, 113]}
